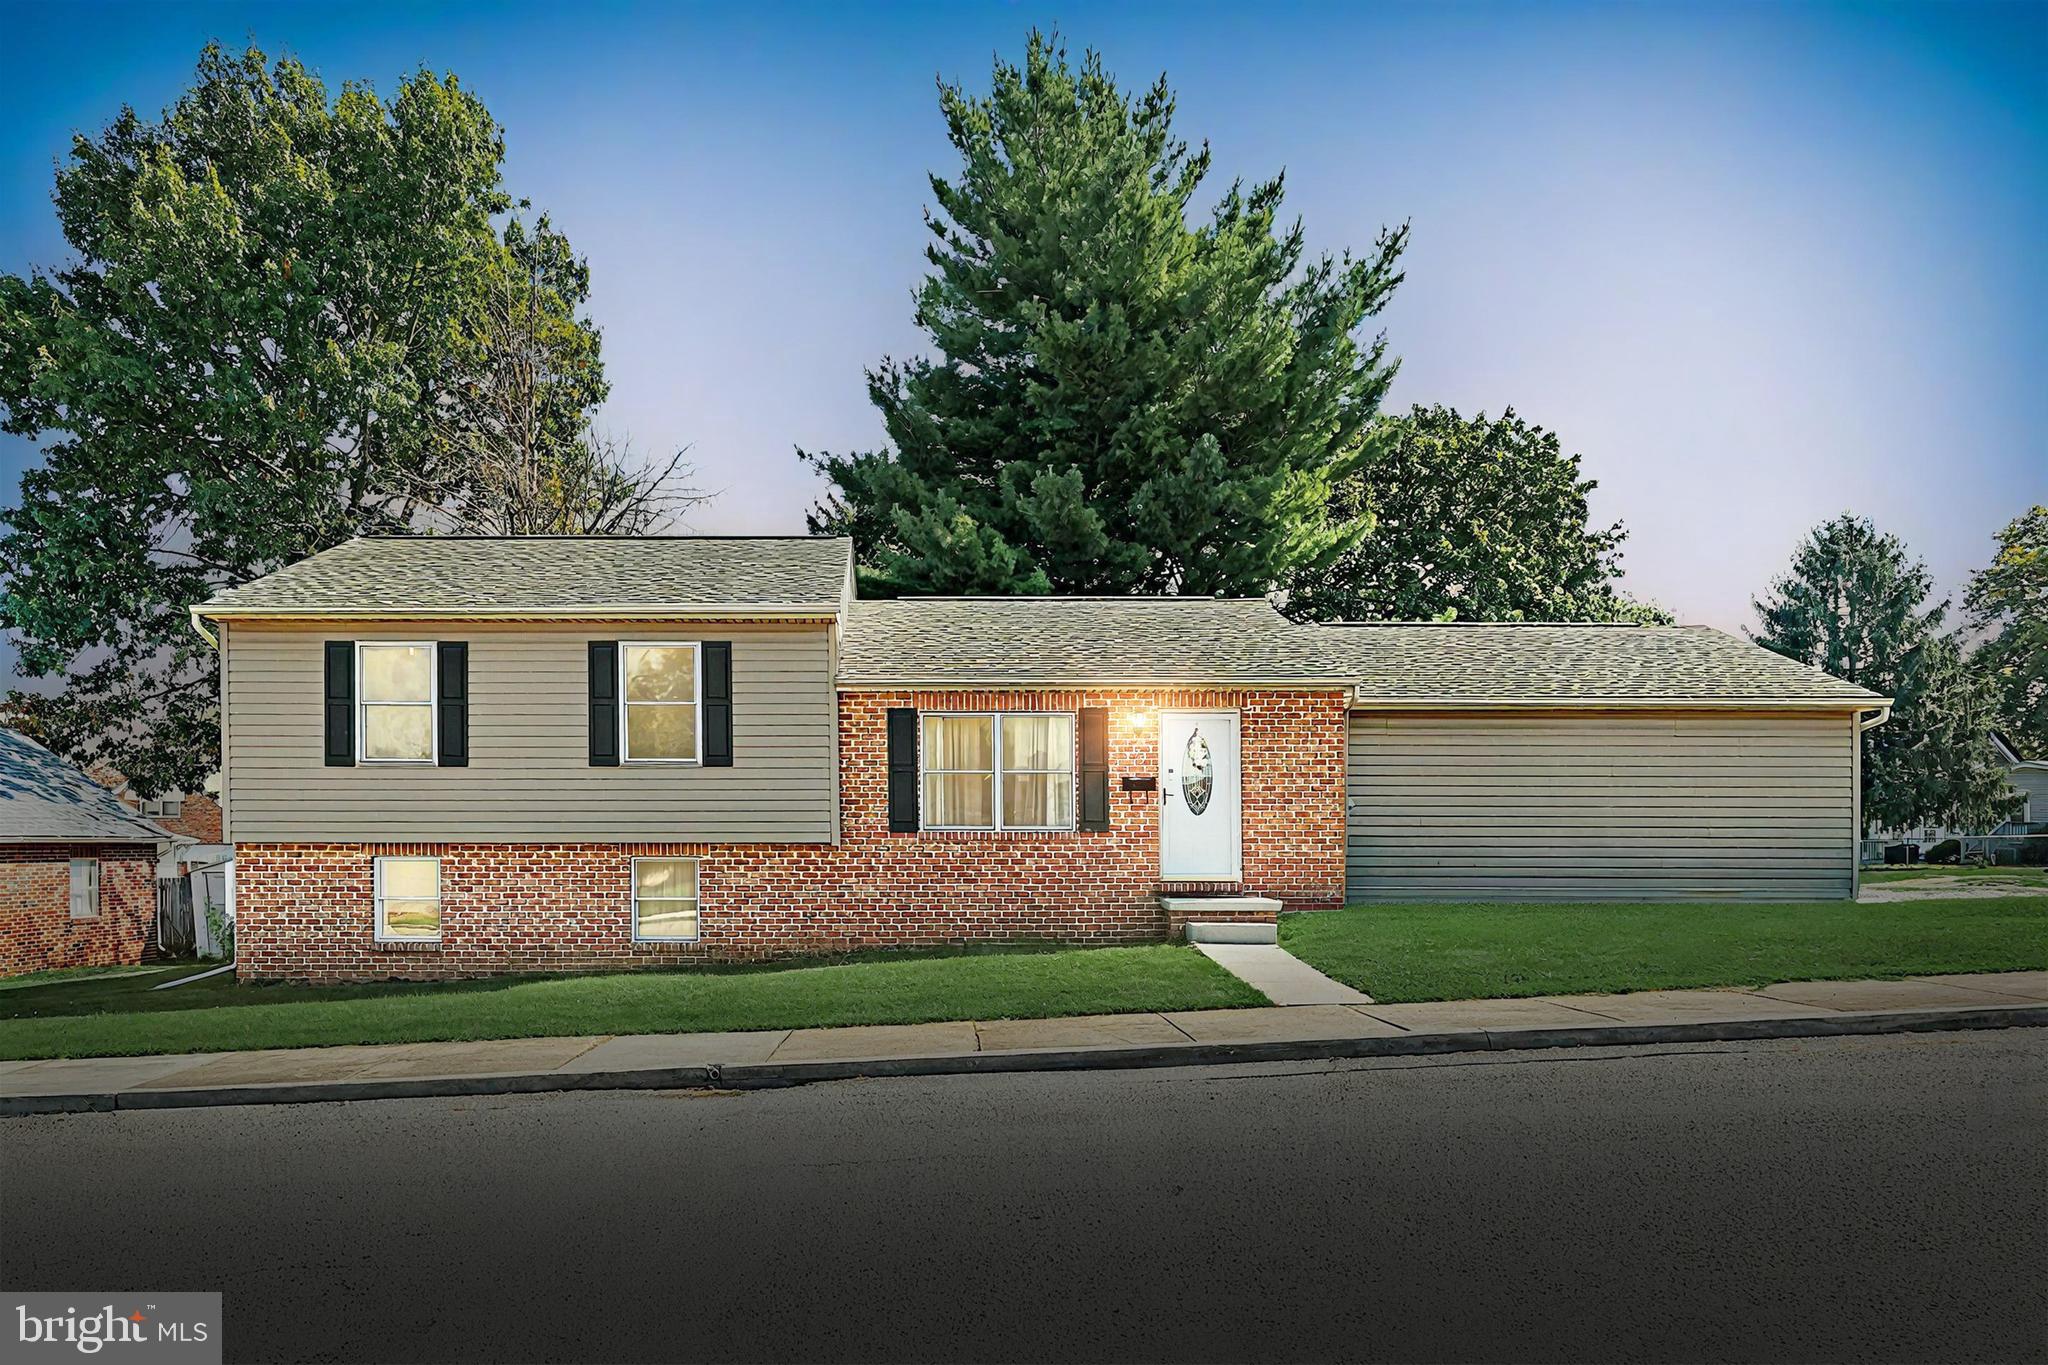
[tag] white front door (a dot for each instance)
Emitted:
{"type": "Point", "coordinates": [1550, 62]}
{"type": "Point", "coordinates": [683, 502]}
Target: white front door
{"type": "Point", "coordinates": [1198, 782]}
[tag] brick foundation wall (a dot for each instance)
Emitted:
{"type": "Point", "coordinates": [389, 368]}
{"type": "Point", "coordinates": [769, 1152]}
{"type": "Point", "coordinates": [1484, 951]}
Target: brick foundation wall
{"type": "Point", "coordinates": [36, 928]}
{"type": "Point", "coordinates": [305, 911]}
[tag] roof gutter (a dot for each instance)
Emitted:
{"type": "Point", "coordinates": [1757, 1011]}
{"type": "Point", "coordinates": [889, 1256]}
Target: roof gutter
{"type": "Point", "coordinates": [1884, 713]}
{"type": "Point", "coordinates": [199, 624]}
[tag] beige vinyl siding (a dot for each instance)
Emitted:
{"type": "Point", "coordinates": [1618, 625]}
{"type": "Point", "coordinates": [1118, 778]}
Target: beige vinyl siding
{"type": "Point", "coordinates": [1617, 805]}
{"type": "Point", "coordinates": [529, 778]}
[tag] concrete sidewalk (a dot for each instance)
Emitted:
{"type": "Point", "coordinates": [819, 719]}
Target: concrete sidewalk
{"type": "Point", "coordinates": [793, 1057]}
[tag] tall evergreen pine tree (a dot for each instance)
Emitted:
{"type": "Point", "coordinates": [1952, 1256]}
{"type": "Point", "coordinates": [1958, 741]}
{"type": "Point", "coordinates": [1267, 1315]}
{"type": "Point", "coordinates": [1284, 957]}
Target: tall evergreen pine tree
{"type": "Point", "coordinates": [1120, 402]}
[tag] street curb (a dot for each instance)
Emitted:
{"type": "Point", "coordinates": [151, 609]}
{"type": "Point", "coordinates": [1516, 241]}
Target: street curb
{"type": "Point", "coordinates": [779, 1075]}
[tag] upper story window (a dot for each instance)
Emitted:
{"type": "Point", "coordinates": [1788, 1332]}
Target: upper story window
{"type": "Point", "coordinates": [395, 698]}
{"type": "Point", "coordinates": [660, 687]}
{"type": "Point", "coordinates": [990, 770]}
{"type": "Point", "coordinates": [168, 807]}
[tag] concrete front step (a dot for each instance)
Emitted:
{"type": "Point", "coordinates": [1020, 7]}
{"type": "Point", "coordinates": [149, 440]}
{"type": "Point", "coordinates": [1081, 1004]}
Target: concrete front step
{"type": "Point", "coordinates": [1223, 919]}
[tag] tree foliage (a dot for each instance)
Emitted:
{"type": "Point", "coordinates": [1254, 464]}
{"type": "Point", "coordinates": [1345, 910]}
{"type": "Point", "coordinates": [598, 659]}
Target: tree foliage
{"type": "Point", "coordinates": [1120, 401]}
{"type": "Point", "coordinates": [273, 335]}
{"type": "Point", "coordinates": [1856, 604]}
{"type": "Point", "coordinates": [2010, 599]}
{"type": "Point", "coordinates": [1474, 519]}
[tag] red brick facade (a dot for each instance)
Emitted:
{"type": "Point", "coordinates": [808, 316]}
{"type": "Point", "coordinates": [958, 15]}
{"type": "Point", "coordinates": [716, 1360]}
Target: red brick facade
{"type": "Point", "coordinates": [36, 928]}
{"type": "Point", "coordinates": [305, 911]}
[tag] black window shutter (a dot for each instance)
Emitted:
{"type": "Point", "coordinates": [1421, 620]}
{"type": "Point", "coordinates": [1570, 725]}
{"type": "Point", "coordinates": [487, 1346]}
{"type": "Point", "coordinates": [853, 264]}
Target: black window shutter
{"type": "Point", "coordinates": [902, 770]}
{"type": "Point", "coordinates": [604, 703]}
{"type": "Point", "coordinates": [453, 679]}
{"type": "Point", "coordinates": [340, 709]}
{"type": "Point", "coordinates": [718, 703]}
{"type": "Point", "coordinates": [1094, 768]}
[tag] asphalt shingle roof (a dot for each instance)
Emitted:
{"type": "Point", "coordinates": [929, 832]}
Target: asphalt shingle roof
{"type": "Point", "coordinates": [45, 799]}
{"type": "Point", "coordinates": [449, 575]}
{"type": "Point", "coordinates": [1198, 640]}
{"type": "Point", "coordinates": [1103, 640]}
{"type": "Point", "coordinates": [1574, 664]}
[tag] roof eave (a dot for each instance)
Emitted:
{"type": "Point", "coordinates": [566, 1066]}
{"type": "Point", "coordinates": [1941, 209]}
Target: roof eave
{"type": "Point", "coordinates": [1439, 703]}
{"type": "Point", "coordinates": [725, 611]}
{"type": "Point", "coordinates": [985, 684]}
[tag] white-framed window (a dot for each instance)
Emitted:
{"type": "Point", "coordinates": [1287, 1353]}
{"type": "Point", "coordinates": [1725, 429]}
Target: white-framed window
{"type": "Point", "coordinates": [664, 900]}
{"type": "Point", "coordinates": [408, 900]}
{"type": "Point", "coordinates": [1007, 770]}
{"type": "Point", "coordinates": [659, 683]}
{"type": "Point", "coordinates": [395, 720]}
{"type": "Point", "coordinates": [167, 807]}
{"type": "Point", "coordinates": [85, 888]}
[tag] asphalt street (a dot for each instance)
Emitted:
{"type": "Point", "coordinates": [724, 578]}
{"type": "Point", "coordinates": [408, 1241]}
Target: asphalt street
{"type": "Point", "coordinates": [1829, 1199]}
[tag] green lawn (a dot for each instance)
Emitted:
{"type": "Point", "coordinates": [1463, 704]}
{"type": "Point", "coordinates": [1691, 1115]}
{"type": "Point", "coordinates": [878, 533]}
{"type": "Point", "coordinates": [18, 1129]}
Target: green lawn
{"type": "Point", "coordinates": [2023, 876]}
{"type": "Point", "coordinates": [101, 1014]}
{"type": "Point", "coordinates": [1459, 952]}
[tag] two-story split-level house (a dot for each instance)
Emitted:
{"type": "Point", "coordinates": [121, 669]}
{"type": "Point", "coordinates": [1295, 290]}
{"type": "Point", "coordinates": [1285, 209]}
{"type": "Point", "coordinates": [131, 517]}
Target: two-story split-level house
{"type": "Point", "coordinates": [447, 756]}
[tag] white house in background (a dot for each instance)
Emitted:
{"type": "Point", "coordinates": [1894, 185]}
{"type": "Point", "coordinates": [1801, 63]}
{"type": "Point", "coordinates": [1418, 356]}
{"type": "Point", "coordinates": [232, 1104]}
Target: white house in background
{"type": "Point", "coordinates": [2028, 776]}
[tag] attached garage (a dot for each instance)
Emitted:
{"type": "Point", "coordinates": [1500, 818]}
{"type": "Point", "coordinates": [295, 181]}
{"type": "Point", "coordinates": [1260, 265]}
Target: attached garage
{"type": "Point", "coordinates": [1557, 805]}
{"type": "Point", "coordinates": [1550, 762]}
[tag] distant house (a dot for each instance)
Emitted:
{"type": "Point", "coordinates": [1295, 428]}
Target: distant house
{"type": "Point", "coordinates": [190, 815]}
{"type": "Point", "coordinates": [77, 868]}
{"type": "Point", "coordinates": [201, 859]}
{"type": "Point", "coordinates": [2028, 777]}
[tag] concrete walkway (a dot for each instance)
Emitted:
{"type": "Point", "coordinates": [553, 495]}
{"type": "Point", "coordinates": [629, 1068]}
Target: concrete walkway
{"type": "Point", "coordinates": [1279, 975]}
{"type": "Point", "coordinates": [795, 1056]}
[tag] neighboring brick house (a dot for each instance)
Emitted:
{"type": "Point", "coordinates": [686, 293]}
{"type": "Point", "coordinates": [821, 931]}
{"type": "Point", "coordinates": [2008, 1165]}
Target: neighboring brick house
{"type": "Point", "coordinates": [77, 869]}
{"type": "Point", "coordinates": [447, 756]}
{"type": "Point", "coordinates": [189, 815]}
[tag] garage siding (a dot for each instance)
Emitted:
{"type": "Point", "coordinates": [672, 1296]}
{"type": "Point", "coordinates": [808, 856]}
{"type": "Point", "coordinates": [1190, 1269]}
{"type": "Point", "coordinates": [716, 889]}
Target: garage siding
{"type": "Point", "coordinates": [1615, 805]}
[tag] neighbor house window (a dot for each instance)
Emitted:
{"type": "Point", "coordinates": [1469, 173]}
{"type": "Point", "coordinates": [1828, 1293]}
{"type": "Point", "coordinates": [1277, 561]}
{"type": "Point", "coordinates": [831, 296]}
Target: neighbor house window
{"type": "Point", "coordinates": [409, 899]}
{"type": "Point", "coordinates": [395, 685]}
{"type": "Point", "coordinates": [998, 771]}
{"type": "Point", "coordinates": [664, 899]}
{"type": "Point", "coordinates": [85, 888]}
{"type": "Point", "coordinates": [660, 688]}
{"type": "Point", "coordinates": [164, 807]}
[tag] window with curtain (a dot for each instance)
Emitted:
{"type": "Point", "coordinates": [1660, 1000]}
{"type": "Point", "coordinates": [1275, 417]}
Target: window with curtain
{"type": "Point", "coordinates": [661, 702]}
{"type": "Point", "coordinates": [998, 771]}
{"type": "Point", "coordinates": [664, 898]}
{"type": "Point", "coordinates": [396, 698]}
{"type": "Point", "coordinates": [409, 898]}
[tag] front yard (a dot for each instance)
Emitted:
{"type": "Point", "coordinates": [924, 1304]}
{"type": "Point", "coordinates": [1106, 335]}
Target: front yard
{"type": "Point", "coordinates": [1461, 952]}
{"type": "Point", "coordinates": [101, 1014]}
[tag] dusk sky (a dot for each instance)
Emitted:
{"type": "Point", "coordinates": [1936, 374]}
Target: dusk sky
{"type": "Point", "coordinates": [1760, 264]}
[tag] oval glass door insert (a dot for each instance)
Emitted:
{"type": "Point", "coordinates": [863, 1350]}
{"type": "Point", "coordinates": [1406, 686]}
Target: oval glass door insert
{"type": "Point", "coordinates": [1198, 776]}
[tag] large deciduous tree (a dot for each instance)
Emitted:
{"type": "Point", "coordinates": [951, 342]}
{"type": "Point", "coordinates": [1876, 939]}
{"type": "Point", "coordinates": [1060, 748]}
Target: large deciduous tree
{"type": "Point", "coordinates": [2010, 599]}
{"type": "Point", "coordinates": [272, 336]}
{"type": "Point", "coordinates": [1471, 519]}
{"type": "Point", "coordinates": [1856, 604]}
{"type": "Point", "coordinates": [1121, 400]}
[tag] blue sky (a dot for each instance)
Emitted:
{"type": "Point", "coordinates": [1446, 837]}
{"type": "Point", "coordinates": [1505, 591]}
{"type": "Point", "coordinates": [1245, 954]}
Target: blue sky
{"type": "Point", "coordinates": [1758, 263]}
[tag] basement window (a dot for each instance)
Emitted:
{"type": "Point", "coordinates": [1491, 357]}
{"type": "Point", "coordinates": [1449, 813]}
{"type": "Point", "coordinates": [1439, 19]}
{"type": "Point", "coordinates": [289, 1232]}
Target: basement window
{"type": "Point", "coordinates": [664, 900]}
{"type": "Point", "coordinates": [408, 900]}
